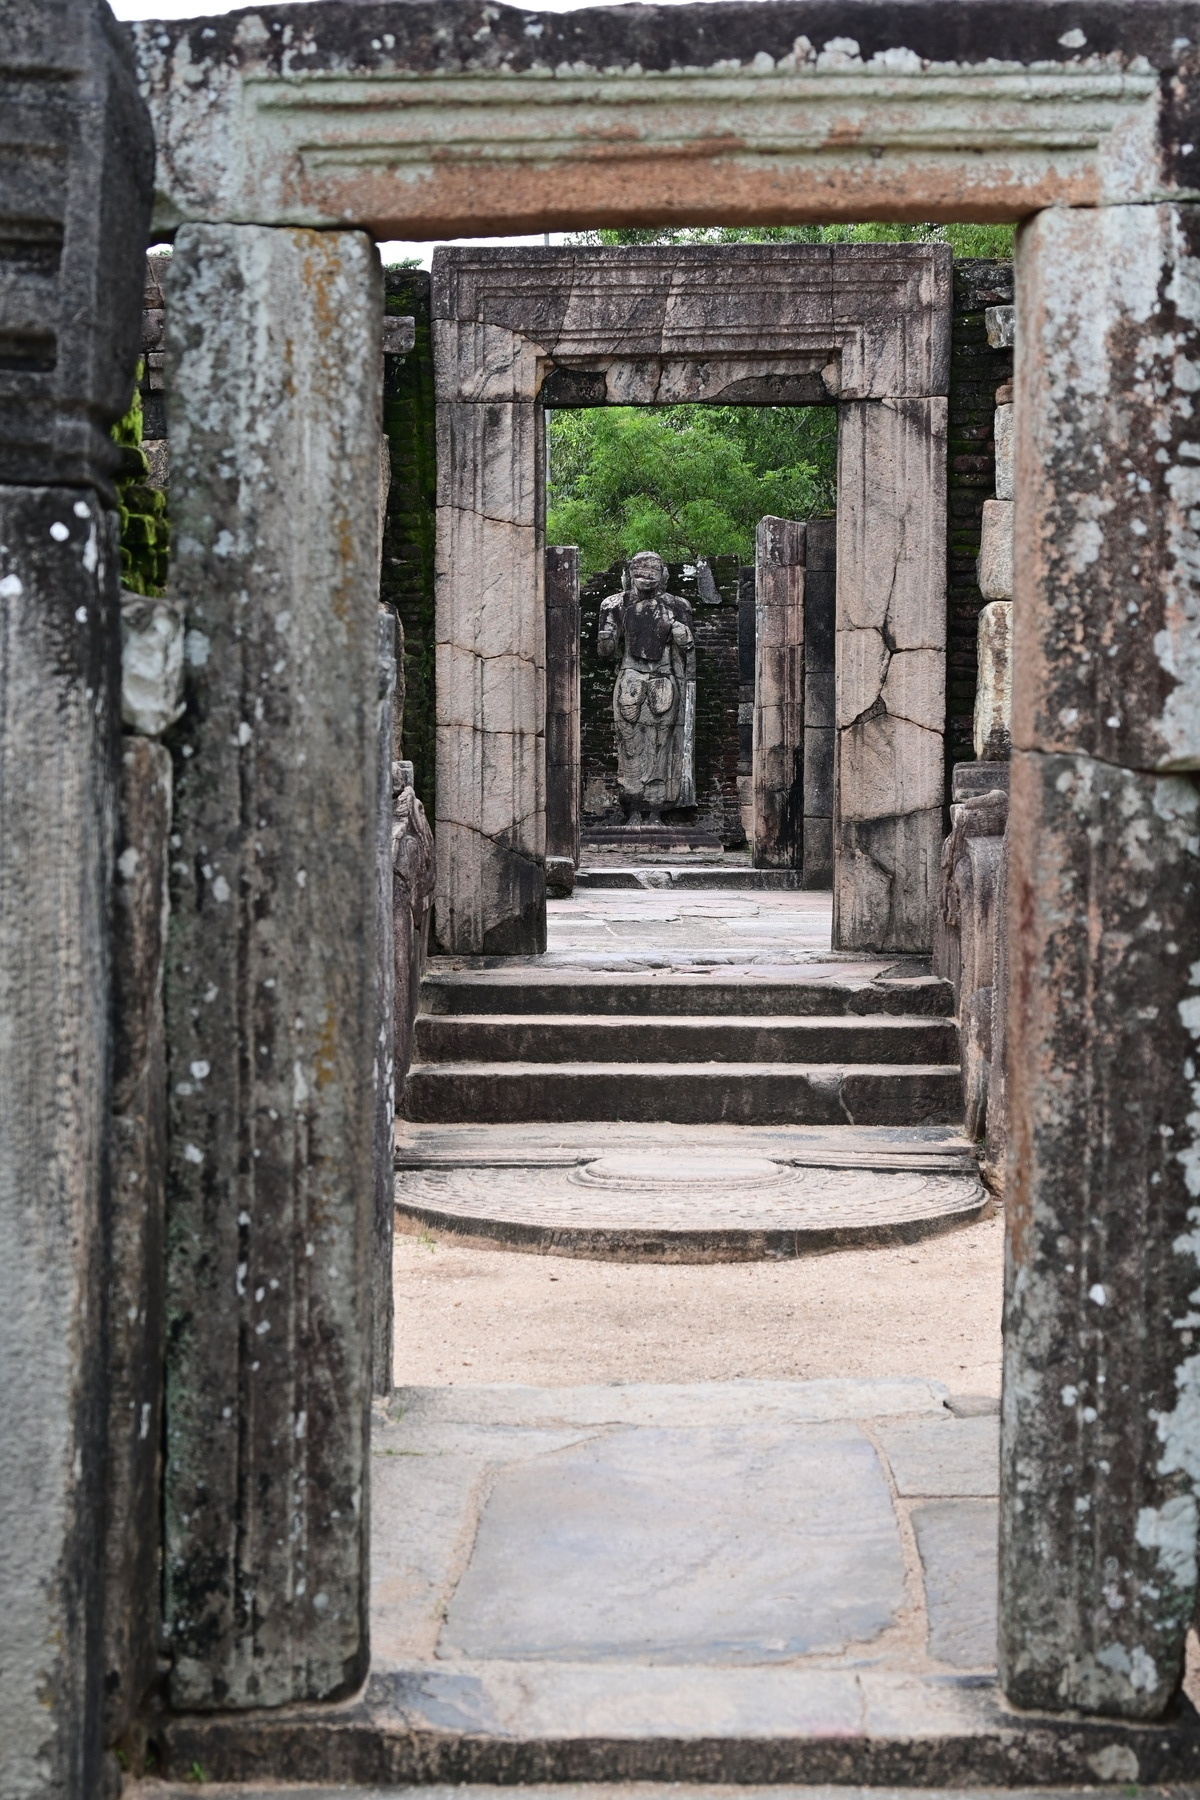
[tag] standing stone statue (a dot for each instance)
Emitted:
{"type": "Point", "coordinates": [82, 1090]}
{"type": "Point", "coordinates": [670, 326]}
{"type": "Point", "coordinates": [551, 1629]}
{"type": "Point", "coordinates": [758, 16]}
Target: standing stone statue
{"type": "Point", "coordinates": [654, 700]}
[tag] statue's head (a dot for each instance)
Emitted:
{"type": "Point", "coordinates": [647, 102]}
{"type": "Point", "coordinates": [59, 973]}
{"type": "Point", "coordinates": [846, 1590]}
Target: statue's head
{"type": "Point", "coordinates": [647, 571]}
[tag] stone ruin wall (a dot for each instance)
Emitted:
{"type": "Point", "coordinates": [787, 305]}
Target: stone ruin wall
{"type": "Point", "coordinates": [407, 572]}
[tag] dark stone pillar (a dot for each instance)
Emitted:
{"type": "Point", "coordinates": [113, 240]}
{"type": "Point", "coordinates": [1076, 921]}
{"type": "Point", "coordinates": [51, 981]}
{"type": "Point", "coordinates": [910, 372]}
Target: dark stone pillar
{"type": "Point", "coordinates": [133, 1571]}
{"type": "Point", "coordinates": [76, 184]}
{"type": "Point", "coordinates": [385, 1018]}
{"type": "Point", "coordinates": [779, 695]}
{"type": "Point", "coordinates": [562, 713]}
{"type": "Point", "coordinates": [273, 387]}
{"type": "Point", "coordinates": [820, 711]}
{"type": "Point", "coordinates": [1100, 1442]}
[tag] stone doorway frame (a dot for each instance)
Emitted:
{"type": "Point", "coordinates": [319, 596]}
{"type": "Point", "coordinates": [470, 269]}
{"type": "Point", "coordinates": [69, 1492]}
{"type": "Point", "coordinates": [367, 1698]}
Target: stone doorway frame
{"type": "Point", "coordinates": [287, 140]}
{"type": "Point", "coordinates": [865, 327]}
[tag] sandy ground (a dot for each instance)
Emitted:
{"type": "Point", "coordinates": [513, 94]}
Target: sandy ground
{"type": "Point", "coordinates": [471, 1315]}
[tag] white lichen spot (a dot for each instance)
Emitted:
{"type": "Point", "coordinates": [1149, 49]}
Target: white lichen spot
{"type": "Point", "coordinates": [1069, 1395]}
{"type": "Point", "coordinates": [839, 53]}
{"type": "Point", "coordinates": [1170, 1529]}
{"type": "Point", "coordinates": [201, 1070]}
{"type": "Point", "coordinates": [59, 532]}
{"type": "Point", "coordinates": [82, 510]}
{"type": "Point", "coordinates": [196, 648]}
{"type": "Point", "coordinates": [192, 1155]}
{"type": "Point", "coordinates": [301, 1423]}
{"type": "Point", "coordinates": [11, 587]}
{"type": "Point", "coordinates": [1073, 39]}
{"type": "Point", "coordinates": [1097, 1294]}
{"type": "Point", "coordinates": [299, 1086]}
{"type": "Point", "coordinates": [127, 863]}
{"type": "Point", "coordinates": [245, 733]}
{"type": "Point", "coordinates": [81, 615]}
{"type": "Point", "coordinates": [221, 889]}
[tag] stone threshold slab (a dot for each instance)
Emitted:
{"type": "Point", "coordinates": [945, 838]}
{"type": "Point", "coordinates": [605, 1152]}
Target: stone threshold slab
{"type": "Point", "coordinates": [520, 1725]}
{"type": "Point", "coordinates": [168, 1790]}
{"type": "Point", "coordinates": [939, 1149]}
{"type": "Point", "coordinates": [713, 875]}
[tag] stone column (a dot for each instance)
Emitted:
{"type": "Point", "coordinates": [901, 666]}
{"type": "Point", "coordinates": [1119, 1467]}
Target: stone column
{"type": "Point", "coordinates": [820, 605]}
{"type": "Point", "coordinates": [273, 390]}
{"type": "Point", "coordinates": [562, 713]}
{"type": "Point", "coordinates": [779, 694]}
{"type": "Point", "coordinates": [1100, 1433]}
{"type": "Point", "coordinates": [491, 659]}
{"type": "Point", "coordinates": [385, 1015]}
{"type": "Point", "coordinates": [891, 673]}
{"type": "Point", "coordinates": [59, 718]}
{"type": "Point", "coordinates": [133, 1559]}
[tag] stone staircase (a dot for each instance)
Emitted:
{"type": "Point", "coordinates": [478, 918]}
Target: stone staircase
{"type": "Point", "coordinates": [528, 1044]}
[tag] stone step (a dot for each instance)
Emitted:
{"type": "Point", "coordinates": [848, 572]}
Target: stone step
{"type": "Point", "coordinates": [738, 877]}
{"type": "Point", "coordinates": [584, 1037]}
{"type": "Point", "coordinates": [683, 1093]}
{"type": "Point", "coordinates": [641, 995]}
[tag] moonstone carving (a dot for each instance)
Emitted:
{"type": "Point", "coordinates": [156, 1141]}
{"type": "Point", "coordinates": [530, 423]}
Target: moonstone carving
{"type": "Point", "coordinates": [654, 700]}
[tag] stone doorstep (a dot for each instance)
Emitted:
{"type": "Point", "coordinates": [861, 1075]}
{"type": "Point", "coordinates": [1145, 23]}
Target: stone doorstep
{"type": "Point", "coordinates": [168, 1790]}
{"type": "Point", "coordinates": [654, 877]}
{"type": "Point", "coordinates": [837, 1726]}
{"type": "Point", "coordinates": [566, 1037]}
{"type": "Point", "coordinates": [641, 994]}
{"type": "Point", "coordinates": [686, 1093]}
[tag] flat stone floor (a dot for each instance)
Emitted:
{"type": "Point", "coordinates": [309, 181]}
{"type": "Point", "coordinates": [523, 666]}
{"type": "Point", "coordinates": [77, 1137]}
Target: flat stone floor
{"type": "Point", "coordinates": [630, 1790]}
{"type": "Point", "coordinates": [646, 1559]}
{"type": "Point", "coordinates": [694, 929]}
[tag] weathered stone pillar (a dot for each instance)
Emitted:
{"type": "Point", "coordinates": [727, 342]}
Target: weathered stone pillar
{"type": "Point", "coordinates": [779, 694]}
{"type": "Point", "coordinates": [385, 1014]}
{"type": "Point", "coordinates": [59, 718]}
{"type": "Point", "coordinates": [891, 673]}
{"type": "Point", "coordinates": [133, 1558]}
{"type": "Point", "coordinates": [491, 659]}
{"type": "Point", "coordinates": [820, 612]}
{"type": "Point", "coordinates": [562, 712]}
{"type": "Point", "coordinates": [1101, 1412]}
{"type": "Point", "coordinates": [273, 390]}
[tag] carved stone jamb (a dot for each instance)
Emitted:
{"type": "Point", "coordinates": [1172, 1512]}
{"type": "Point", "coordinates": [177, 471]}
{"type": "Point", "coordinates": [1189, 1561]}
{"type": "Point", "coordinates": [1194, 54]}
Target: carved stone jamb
{"type": "Point", "coordinates": [562, 712]}
{"type": "Point", "coordinates": [1100, 1476]}
{"type": "Point", "coordinates": [867, 325]}
{"type": "Point", "coordinates": [76, 185]}
{"type": "Point", "coordinates": [778, 754]}
{"type": "Point", "coordinates": [383, 1304]}
{"type": "Point", "coordinates": [891, 673]}
{"type": "Point", "coordinates": [820, 711]}
{"type": "Point", "coordinates": [273, 386]}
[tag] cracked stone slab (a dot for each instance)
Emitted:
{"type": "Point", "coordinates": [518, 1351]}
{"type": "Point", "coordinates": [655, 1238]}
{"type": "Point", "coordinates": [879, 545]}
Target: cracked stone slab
{"type": "Point", "coordinates": [957, 1542]}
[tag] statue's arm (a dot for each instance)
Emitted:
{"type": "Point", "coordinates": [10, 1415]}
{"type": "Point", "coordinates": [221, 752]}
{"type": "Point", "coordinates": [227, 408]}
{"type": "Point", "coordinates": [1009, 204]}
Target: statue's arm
{"type": "Point", "coordinates": [682, 631]}
{"type": "Point", "coordinates": [609, 640]}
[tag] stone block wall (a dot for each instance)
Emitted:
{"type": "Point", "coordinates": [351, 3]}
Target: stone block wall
{"type": "Point", "coordinates": [976, 371]}
{"type": "Point", "coordinates": [718, 811]}
{"type": "Point", "coordinates": [406, 575]}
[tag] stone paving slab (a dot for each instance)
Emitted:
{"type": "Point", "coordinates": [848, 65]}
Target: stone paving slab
{"type": "Point", "coordinates": [936, 1457]}
{"type": "Point", "coordinates": [957, 1543]}
{"type": "Point", "coordinates": [941, 1148]}
{"type": "Point", "coordinates": [726, 1544]}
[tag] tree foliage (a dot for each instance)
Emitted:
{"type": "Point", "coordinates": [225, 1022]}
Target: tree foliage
{"type": "Point", "coordinates": [687, 481]}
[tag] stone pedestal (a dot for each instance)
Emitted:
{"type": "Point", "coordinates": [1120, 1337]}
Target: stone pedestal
{"type": "Point", "coordinates": [779, 695]}
{"type": "Point", "coordinates": [273, 389]}
{"type": "Point", "coordinates": [562, 707]}
{"type": "Point", "coordinates": [820, 612]}
{"type": "Point", "coordinates": [891, 673]}
{"type": "Point", "coordinates": [1101, 1456]}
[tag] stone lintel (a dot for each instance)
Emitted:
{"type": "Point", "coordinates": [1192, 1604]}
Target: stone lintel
{"type": "Point", "coordinates": [1101, 1464]}
{"type": "Point", "coordinates": [757, 114]}
{"type": "Point", "coordinates": [273, 389]}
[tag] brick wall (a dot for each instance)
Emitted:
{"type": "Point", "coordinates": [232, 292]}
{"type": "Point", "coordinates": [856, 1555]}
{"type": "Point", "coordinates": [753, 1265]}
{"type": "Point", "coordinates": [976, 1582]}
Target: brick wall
{"type": "Point", "coordinates": [976, 371]}
{"type": "Point", "coordinates": [406, 576]}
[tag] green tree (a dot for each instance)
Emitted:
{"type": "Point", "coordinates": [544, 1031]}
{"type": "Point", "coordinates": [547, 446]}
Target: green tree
{"type": "Point", "coordinates": [964, 240]}
{"type": "Point", "coordinates": [687, 481]}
